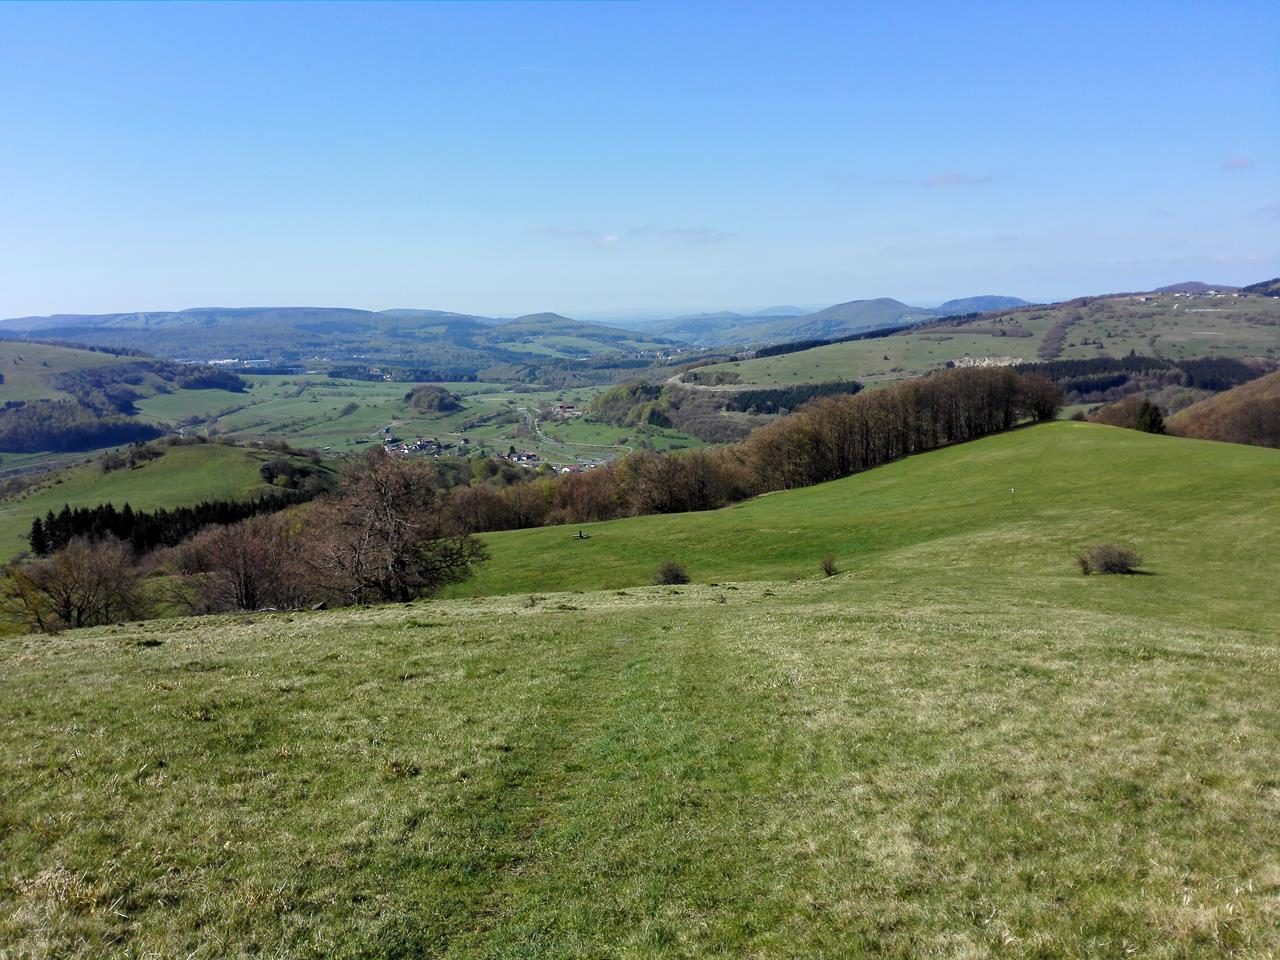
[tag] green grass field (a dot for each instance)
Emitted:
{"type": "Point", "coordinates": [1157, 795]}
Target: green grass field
{"type": "Point", "coordinates": [949, 517]}
{"type": "Point", "coordinates": [184, 475]}
{"type": "Point", "coordinates": [956, 747]}
{"type": "Point", "coordinates": [1176, 328]}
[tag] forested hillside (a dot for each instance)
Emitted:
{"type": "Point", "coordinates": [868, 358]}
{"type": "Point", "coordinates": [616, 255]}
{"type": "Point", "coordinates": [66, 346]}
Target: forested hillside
{"type": "Point", "coordinates": [1247, 414]}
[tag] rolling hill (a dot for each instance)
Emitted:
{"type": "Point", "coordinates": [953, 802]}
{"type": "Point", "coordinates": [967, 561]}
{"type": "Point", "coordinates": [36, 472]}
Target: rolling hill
{"type": "Point", "coordinates": [956, 746]}
{"type": "Point", "coordinates": [781, 324]}
{"type": "Point", "coordinates": [836, 320]}
{"type": "Point", "coordinates": [947, 516]}
{"type": "Point", "coordinates": [1195, 286]}
{"type": "Point", "coordinates": [554, 335]}
{"type": "Point", "coordinates": [709, 329]}
{"type": "Point", "coordinates": [1267, 288]}
{"type": "Point", "coordinates": [1175, 326]}
{"type": "Point", "coordinates": [464, 342]}
{"type": "Point", "coordinates": [1249, 413]}
{"type": "Point", "coordinates": [984, 304]}
{"type": "Point", "coordinates": [30, 371]}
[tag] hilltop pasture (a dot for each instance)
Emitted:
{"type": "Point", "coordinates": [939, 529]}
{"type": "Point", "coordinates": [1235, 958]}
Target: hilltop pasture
{"type": "Point", "coordinates": [30, 369]}
{"type": "Point", "coordinates": [1002, 518]}
{"type": "Point", "coordinates": [956, 746]}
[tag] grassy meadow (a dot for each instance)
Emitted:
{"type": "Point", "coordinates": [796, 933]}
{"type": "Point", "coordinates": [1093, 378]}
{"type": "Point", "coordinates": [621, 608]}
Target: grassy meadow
{"type": "Point", "coordinates": [1206, 516]}
{"type": "Point", "coordinates": [955, 747]}
{"type": "Point", "coordinates": [29, 368]}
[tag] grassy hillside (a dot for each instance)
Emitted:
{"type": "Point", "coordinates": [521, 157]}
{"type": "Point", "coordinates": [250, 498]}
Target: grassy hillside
{"type": "Point", "coordinates": [1250, 413]}
{"type": "Point", "coordinates": [1173, 326]}
{"type": "Point", "coordinates": [184, 475]}
{"type": "Point", "coordinates": [29, 368]}
{"type": "Point", "coordinates": [1193, 508]}
{"type": "Point", "coordinates": [958, 747]}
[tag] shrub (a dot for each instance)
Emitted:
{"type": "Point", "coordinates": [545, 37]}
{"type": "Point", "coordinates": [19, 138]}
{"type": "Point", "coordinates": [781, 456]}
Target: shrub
{"type": "Point", "coordinates": [828, 565]}
{"type": "Point", "coordinates": [669, 573]}
{"type": "Point", "coordinates": [1108, 558]}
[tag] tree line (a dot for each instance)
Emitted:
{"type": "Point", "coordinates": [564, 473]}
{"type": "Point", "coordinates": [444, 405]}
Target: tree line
{"type": "Point", "coordinates": [143, 530]}
{"type": "Point", "coordinates": [769, 400]}
{"type": "Point", "coordinates": [796, 346]}
{"type": "Point", "coordinates": [1094, 373]}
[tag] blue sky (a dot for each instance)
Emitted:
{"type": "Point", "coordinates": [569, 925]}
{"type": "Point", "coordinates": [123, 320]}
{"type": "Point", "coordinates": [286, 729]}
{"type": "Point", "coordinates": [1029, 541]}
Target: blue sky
{"type": "Point", "coordinates": [602, 158]}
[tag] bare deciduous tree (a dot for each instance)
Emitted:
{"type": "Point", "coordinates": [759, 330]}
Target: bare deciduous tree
{"type": "Point", "coordinates": [83, 585]}
{"type": "Point", "coordinates": [246, 566]}
{"type": "Point", "coordinates": [381, 538]}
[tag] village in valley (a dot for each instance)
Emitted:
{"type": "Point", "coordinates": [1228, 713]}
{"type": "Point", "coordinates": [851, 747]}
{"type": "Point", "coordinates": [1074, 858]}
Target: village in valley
{"type": "Point", "coordinates": [560, 459]}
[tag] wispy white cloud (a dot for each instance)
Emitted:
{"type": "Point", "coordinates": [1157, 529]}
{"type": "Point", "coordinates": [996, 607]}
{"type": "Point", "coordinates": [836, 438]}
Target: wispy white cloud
{"type": "Point", "coordinates": [1271, 210]}
{"type": "Point", "coordinates": [1236, 164]}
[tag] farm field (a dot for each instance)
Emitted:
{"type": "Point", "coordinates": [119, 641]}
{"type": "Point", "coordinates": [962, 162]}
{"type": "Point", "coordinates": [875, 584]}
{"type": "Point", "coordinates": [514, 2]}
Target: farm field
{"type": "Point", "coordinates": [170, 409]}
{"type": "Point", "coordinates": [957, 746]}
{"type": "Point", "coordinates": [593, 433]}
{"type": "Point", "coordinates": [184, 475]}
{"type": "Point", "coordinates": [1163, 325]}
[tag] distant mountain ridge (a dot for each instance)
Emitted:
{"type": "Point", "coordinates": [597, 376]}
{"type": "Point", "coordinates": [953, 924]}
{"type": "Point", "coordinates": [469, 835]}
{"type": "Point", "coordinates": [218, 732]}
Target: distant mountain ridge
{"type": "Point", "coordinates": [438, 342]}
{"type": "Point", "coordinates": [853, 316]}
{"type": "Point", "coordinates": [1267, 288]}
{"type": "Point", "coordinates": [276, 329]}
{"type": "Point", "coordinates": [983, 304]}
{"type": "Point", "coordinates": [210, 316]}
{"type": "Point", "coordinates": [1195, 286]}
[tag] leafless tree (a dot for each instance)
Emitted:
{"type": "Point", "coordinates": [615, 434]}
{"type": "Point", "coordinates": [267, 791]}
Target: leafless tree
{"type": "Point", "coordinates": [382, 538]}
{"type": "Point", "coordinates": [82, 585]}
